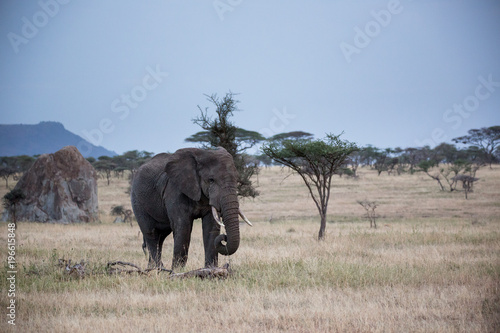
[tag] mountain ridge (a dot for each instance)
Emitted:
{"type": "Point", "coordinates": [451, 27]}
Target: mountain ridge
{"type": "Point", "coordinates": [42, 138]}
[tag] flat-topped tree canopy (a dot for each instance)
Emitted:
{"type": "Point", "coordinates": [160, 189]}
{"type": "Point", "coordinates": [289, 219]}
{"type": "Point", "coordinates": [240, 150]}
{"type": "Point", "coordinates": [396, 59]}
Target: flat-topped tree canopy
{"type": "Point", "coordinates": [316, 161]}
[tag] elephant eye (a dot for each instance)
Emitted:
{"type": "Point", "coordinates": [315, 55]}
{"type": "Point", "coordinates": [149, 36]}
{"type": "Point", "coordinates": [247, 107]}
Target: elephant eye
{"type": "Point", "coordinates": [211, 181]}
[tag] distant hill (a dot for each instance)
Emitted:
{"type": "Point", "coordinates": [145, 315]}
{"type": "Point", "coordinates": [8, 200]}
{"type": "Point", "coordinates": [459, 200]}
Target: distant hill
{"type": "Point", "coordinates": [46, 137]}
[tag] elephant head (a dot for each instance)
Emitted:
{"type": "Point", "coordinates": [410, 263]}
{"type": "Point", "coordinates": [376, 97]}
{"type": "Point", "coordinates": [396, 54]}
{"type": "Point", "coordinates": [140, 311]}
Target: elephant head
{"type": "Point", "coordinates": [210, 175]}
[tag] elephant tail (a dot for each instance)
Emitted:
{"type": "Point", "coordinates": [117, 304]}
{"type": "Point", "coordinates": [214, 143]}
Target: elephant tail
{"type": "Point", "coordinates": [144, 246]}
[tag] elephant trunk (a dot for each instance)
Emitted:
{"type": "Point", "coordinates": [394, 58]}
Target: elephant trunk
{"type": "Point", "coordinates": [230, 213]}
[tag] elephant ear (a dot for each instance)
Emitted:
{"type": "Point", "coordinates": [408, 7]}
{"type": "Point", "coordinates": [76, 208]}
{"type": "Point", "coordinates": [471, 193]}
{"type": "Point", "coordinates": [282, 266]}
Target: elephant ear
{"type": "Point", "coordinates": [181, 170]}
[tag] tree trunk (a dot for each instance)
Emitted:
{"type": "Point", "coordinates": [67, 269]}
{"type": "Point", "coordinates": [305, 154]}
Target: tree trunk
{"type": "Point", "coordinates": [321, 234]}
{"type": "Point", "coordinates": [436, 178]}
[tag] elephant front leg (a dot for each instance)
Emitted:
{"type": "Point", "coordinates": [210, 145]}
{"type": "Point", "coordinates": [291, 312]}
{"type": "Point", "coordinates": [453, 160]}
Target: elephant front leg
{"type": "Point", "coordinates": [182, 239]}
{"type": "Point", "coordinates": [210, 231]}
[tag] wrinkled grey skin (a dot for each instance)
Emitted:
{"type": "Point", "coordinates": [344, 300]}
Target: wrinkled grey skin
{"type": "Point", "coordinates": [170, 191]}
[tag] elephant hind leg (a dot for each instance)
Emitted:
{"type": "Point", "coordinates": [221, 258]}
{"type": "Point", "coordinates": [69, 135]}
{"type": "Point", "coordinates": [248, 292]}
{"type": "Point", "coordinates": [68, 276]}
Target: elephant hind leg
{"type": "Point", "coordinates": [153, 236]}
{"type": "Point", "coordinates": [154, 243]}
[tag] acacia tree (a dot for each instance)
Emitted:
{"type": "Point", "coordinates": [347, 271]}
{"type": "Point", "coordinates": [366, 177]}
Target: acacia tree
{"type": "Point", "coordinates": [131, 160]}
{"type": "Point", "coordinates": [486, 139]}
{"type": "Point", "coordinates": [426, 167]}
{"type": "Point", "coordinates": [221, 132]}
{"type": "Point", "coordinates": [105, 165]}
{"type": "Point", "coordinates": [316, 161]}
{"type": "Point", "coordinates": [5, 173]}
{"type": "Point", "coordinates": [293, 135]}
{"type": "Point", "coordinates": [11, 201]}
{"type": "Point", "coordinates": [14, 165]}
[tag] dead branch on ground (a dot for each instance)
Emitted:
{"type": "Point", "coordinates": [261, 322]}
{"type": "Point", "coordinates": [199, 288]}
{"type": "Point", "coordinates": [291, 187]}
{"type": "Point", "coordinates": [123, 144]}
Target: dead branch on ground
{"type": "Point", "coordinates": [117, 267]}
{"type": "Point", "coordinates": [204, 273]}
{"type": "Point", "coordinates": [123, 267]}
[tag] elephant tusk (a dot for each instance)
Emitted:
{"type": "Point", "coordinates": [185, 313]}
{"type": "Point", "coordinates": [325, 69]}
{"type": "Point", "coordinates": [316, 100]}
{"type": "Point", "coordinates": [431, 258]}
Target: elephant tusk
{"type": "Point", "coordinates": [244, 218]}
{"type": "Point", "coordinates": [216, 217]}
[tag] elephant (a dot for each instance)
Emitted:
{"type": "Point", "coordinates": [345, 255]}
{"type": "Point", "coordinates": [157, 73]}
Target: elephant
{"type": "Point", "coordinates": [171, 190]}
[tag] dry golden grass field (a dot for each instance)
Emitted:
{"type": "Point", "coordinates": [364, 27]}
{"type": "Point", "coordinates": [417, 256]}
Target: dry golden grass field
{"type": "Point", "coordinates": [432, 265]}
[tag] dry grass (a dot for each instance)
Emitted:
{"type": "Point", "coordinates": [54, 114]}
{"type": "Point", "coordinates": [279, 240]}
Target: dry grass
{"type": "Point", "coordinates": [433, 265]}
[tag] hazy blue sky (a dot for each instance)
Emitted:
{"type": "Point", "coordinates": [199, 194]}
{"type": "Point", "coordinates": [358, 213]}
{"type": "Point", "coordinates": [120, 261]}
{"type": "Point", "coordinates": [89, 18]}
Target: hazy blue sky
{"type": "Point", "coordinates": [130, 74]}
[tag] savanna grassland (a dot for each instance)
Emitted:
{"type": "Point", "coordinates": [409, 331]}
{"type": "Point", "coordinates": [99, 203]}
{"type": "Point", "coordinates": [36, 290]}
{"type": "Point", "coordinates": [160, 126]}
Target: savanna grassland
{"type": "Point", "coordinates": [432, 265]}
